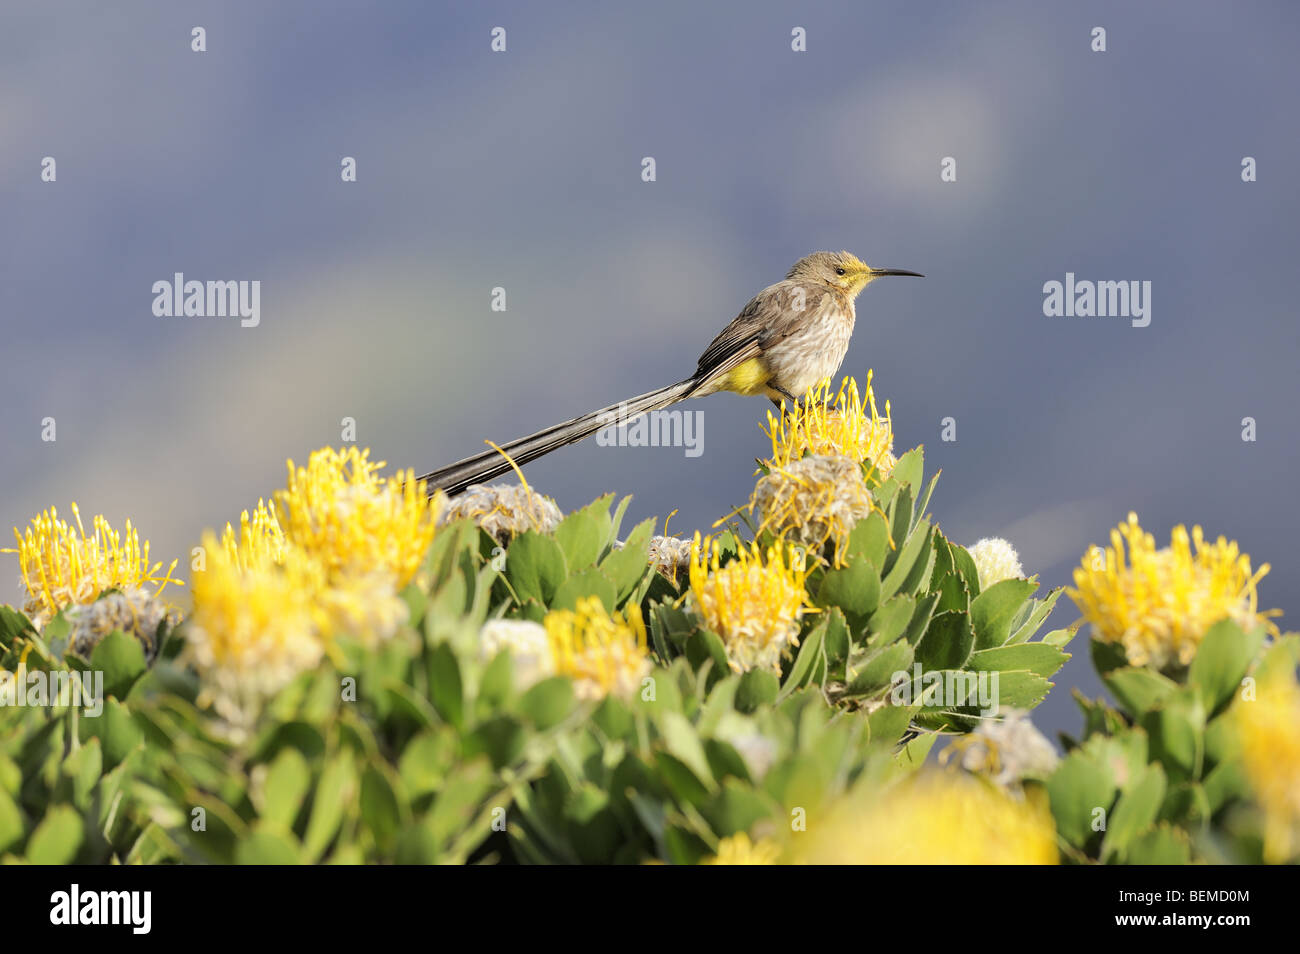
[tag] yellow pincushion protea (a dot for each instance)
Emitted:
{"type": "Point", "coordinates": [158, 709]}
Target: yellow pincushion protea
{"type": "Point", "coordinates": [258, 544]}
{"type": "Point", "coordinates": [846, 425]}
{"type": "Point", "coordinates": [603, 653]}
{"type": "Point", "coordinates": [934, 818]}
{"type": "Point", "coordinates": [338, 510]}
{"type": "Point", "coordinates": [813, 500]}
{"type": "Point", "coordinates": [1157, 604]}
{"type": "Point", "coordinates": [1268, 728]}
{"type": "Point", "coordinates": [61, 566]}
{"type": "Point", "coordinates": [739, 850]}
{"type": "Point", "coordinates": [754, 603]}
{"type": "Point", "coordinates": [253, 630]}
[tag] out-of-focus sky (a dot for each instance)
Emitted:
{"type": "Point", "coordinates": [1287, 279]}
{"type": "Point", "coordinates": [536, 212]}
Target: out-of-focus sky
{"type": "Point", "coordinates": [522, 169]}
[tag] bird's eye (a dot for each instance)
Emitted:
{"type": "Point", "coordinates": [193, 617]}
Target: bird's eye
{"type": "Point", "coordinates": [839, 271]}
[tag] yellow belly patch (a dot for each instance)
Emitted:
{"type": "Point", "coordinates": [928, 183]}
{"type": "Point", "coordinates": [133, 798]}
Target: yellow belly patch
{"type": "Point", "coordinates": [749, 378]}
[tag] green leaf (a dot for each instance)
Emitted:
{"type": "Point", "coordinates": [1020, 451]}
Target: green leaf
{"type": "Point", "coordinates": [1138, 689]}
{"type": "Point", "coordinates": [267, 845]}
{"type": "Point", "coordinates": [1162, 845]}
{"type": "Point", "coordinates": [1175, 730]}
{"type": "Point", "coordinates": [914, 551]}
{"type": "Point", "coordinates": [855, 589]}
{"type": "Point", "coordinates": [381, 808]}
{"type": "Point", "coordinates": [426, 760]}
{"type": "Point", "coordinates": [805, 663]}
{"type": "Point", "coordinates": [57, 838]}
{"type": "Point", "coordinates": [445, 686]}
{"type": "Point", "coordinates": [1224, 656]}
{"type": "Point", "coordinates": [1040, 610]}
{"type": "Point", "coordinates": [735, 808]}
{"type": "Point", "coordinates": [757, 688]}
{"type": "Point", "coordinates": [589, 582]}
{"type": "Point", "coordinates": [684, 745]}
{"type": "Point", "coordinates": [628, 566]}
{"type": "Point", "coordinates": [1135, 812]}
{"type": "Point", "coordinates": [992, 611]}
{"type": "Point", "coordinates": [121, 659]}
{"type": "Point", "coordinates": [337, 789]}
{"type": "Point", "coordinates": [11, 822]}
{"type": "Point", "coordinates": [966, 567]}
{"type": "Point", "coordinates": [1081, 790]}
{"type": "Point", "coordinates": [83, 769]}
{"type": "Point", "coordinates": [581, 535]}
{"type": "Point", "coordinates": [880, 668]}
{"type": "Point", "coordinates": [548, 702]}
{"type": "Point", "coordinates": [889, 621]}
{"type": "Point", "coordinates": [495, 685]}
{"type": "Point", "coordinates": [535, 566]}
{"type": "Point", "coordinates": [1020, 689]}
{"type": "Point", "coordinates": [1036, 657]}
{"type": "Point", "coordinates": [869, 539]}
{"type": "Point", "coordinates": [287, 782]}
{"type": "Point", "coordinates": [910, 468]}
{"type": "Point", "coordinates": [947, 643]}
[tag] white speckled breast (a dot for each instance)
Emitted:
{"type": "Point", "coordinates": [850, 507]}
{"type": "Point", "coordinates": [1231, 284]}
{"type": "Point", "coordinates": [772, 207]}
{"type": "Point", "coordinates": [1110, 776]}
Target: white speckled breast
{"type": "Point", "coordinates": [814, 352]}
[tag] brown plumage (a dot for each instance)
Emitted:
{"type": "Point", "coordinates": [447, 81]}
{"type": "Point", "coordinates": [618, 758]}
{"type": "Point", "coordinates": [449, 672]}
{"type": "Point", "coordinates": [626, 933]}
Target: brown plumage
{"type": "Point", "coordinates": [789, 337]}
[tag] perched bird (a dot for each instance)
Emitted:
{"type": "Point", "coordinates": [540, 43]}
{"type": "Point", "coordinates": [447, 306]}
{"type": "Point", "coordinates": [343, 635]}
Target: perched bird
{"type": "Point", "coordinates": [788, 338]}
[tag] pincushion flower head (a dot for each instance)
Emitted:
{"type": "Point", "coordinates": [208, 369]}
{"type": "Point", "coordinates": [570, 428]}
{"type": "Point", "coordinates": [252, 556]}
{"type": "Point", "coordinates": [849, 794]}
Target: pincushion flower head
{"type": "Point", "coordinates": [995, 560]}
{"type": "Point", "coordinates": [812, 501]}
{"type": "Point", "coordinates": [739, 850]}
{"type": "Point", "coordinates": [253, 629]}
{"type": "Point", "coordinates": [528, 645]}
{"type": "Point", "coordinates": [603, 653]}
{"type": "Point", "coordinates": [135, 611]}
{"type": "Point", "coordinates": [754, 602]}
{"type": "Point", "coordinates": [1007, 750]}
{"type": "Point", "coordinates": [1268, 729]}
{"type": "Point", "coordinates": [931, 818]}
{"type": "Point", "coordinates": [61, 566]}
{"type": "Point", "coordinates": [505, 510]}
{"type": "Point", "coordinates": [846, 424]}
{"type": "Point", "coordinates": [351, 520]}
{"type": "Point", "coordinates": [1158, 603]}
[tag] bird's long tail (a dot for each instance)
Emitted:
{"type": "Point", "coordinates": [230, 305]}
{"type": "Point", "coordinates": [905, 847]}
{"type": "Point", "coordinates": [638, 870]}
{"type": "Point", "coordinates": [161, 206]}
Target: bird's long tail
{"type": "Point", "coordinates": [454, 478]}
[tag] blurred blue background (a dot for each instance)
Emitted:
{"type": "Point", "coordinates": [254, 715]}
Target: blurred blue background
{"type": "Point", "coordinates": [522, 170]}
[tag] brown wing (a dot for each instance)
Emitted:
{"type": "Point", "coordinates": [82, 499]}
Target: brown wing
{"type": "Point", "coordinates": [768, 317]}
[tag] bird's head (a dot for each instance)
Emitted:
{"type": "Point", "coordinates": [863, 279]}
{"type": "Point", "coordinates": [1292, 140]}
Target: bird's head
{"type": "Point", "coordinates": [841, 270]}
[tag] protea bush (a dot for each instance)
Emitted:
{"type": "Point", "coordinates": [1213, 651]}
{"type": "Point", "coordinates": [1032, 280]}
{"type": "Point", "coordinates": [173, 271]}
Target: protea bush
{"type": "Point", "coordinates": [368, 674]}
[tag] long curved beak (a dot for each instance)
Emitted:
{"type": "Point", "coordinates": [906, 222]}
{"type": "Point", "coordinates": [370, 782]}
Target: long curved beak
{"type": "Point", "coordinates": [877, 272]}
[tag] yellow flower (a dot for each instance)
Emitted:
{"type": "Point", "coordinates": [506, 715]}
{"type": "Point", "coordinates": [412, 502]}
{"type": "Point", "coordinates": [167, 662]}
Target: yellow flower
{"type": "Point", "coordinates": [61, 566]}
{"type": "Point", "coordinates": [813, 500]}
{"type": "Point", "coordinates": [603, 654]}
{"type": "Point", "coordinates": [259, 543]}
{"type": "Point", "coordinates": [1269, 730]}
{"type": "Point", "coordinates": [252, 630]}
{"type": "Point", "coordinates": [364, 605]}
{"type": "Point", "coordinates": [846, 425]}
{"type": "Point", "coordinates": [352, 521]}
{"type": "Point", "coordinates": [504, 511]}
{"type": "Point", "coordinates": [1159, 604]}
{"type": "Point", "coordinates": [934, 818]}
{"type": "Point", "coordinates": [739, 850]}
{"type": "Point", "coordinates": [753, 604]}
